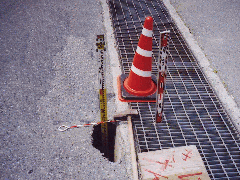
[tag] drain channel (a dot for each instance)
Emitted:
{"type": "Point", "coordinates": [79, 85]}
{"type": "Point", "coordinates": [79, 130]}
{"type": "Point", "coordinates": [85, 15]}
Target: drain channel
{"type": "Point", "coordinates": [193, 115]}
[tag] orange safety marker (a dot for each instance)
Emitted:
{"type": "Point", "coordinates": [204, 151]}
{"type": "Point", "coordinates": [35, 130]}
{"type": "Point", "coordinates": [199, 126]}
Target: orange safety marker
{"type": "Point", "coordinates": [140, 85]}
{"type": "Point", "coordinates": [162, 73]}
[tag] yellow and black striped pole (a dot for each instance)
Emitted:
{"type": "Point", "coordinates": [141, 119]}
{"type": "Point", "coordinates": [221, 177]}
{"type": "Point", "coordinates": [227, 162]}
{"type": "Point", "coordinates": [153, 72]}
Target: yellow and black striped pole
{"type": "Point", "coordinates": [102, 91]}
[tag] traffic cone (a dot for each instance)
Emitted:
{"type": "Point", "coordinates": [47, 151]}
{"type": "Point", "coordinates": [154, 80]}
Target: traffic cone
{"type": "Point", "coordinates": [140, 85]}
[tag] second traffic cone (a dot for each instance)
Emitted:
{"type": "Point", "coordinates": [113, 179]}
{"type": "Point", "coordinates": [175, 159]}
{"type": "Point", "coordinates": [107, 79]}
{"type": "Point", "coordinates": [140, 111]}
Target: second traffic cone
{"type": "Point", "coordinates": [139, 85]}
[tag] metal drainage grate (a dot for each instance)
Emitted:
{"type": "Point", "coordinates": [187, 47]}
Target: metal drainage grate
{"type": "Point", "coordinates": [193, 114]}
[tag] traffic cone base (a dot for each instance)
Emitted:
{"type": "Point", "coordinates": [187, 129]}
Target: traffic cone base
{"type": "Point", "coordinates": [125, 96]}
{"type": "Point", "coordinates": [150, 88]}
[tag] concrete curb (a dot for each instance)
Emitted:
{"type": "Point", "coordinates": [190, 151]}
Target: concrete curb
{"type": "Point", "coordinates": [124, 144]}
{"type": "Point", "coordinates": [132, 149]}
{"type": "Point", "coordinates": [227, 101]}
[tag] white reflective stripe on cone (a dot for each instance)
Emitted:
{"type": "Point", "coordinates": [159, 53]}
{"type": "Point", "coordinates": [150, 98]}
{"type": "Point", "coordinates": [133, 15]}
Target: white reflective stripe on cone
{"type": "Point", "coordinates": [141, 72]}
{"type": "Point", "coordinates": [143, 52]}
{"type": "Point", "coordinates": [147, 32]}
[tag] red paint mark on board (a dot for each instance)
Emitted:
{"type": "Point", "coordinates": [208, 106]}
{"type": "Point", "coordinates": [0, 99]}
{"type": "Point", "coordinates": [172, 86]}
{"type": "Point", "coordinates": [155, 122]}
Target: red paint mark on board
{"type": "Point", "coordinates": [165, 163]}
{"type": "Point", "coordinates": [187, 155]}
{"type": "Point", "coordinates": [189, 175]}
{"type": "Point", "coordinates": [157, 175]}
{"type": "Point", "coordinates": [173, 157]}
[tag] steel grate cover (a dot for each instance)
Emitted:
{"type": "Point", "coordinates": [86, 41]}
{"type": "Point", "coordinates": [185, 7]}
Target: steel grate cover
{"type": "Point", "coordinates": [193, 115]}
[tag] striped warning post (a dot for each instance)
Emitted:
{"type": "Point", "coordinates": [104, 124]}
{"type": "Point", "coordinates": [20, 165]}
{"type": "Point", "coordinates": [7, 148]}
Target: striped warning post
{"type": "Point", "coordinates": [162, 73]}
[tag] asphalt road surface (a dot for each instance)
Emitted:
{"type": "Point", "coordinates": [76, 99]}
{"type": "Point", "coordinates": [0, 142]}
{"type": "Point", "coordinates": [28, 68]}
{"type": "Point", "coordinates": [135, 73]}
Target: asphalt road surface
{"type": "Point", "coordinates": [215, 26]}
{"type": "Point", "coordinates": [48, 77]}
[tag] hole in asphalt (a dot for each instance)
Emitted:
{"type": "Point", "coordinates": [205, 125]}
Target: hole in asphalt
{"type": "Point", "coordinates": [107, 152]}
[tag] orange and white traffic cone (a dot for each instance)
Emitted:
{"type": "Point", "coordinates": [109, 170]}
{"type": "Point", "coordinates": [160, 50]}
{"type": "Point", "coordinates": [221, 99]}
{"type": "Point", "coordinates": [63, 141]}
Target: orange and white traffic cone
{"type": "Point", "coordinates": [139, 85]}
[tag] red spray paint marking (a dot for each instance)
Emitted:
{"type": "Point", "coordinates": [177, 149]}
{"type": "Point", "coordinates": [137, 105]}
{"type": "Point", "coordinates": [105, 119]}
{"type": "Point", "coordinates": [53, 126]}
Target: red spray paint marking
{"type": "Point", "coordinates": [188, 175]}
{"type": "Point", "coordinates": [173, 157]}
{"type": "Point", "coordinates": [165, 163]}
{"type": "Point", "coordinates": [155, 174]}
{"type": "Point", "coordinates": [187, 155]}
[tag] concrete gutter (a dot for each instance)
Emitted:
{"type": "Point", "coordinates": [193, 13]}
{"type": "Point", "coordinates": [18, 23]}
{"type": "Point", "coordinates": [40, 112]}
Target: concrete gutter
{"type": "Point", "coordinates": [226, 99]}
{"type": "Point", "coordinates": [124, 142]}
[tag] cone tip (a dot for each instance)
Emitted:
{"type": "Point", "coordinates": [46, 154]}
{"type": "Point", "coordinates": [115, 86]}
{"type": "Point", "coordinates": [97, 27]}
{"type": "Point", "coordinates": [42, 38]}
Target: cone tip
{"type": "Point", "coordinates": [148, 24]}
